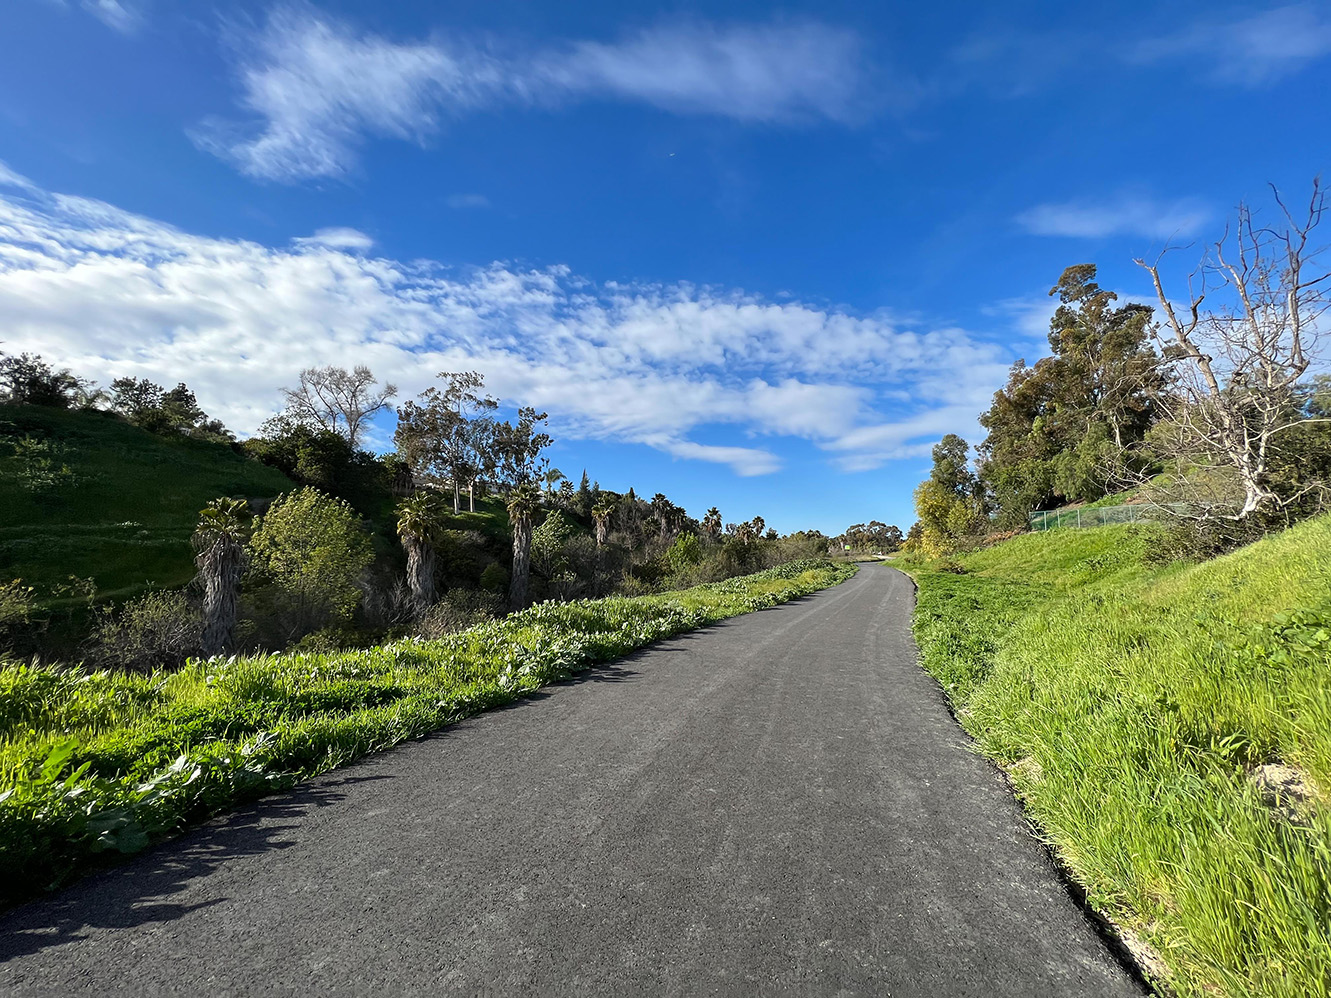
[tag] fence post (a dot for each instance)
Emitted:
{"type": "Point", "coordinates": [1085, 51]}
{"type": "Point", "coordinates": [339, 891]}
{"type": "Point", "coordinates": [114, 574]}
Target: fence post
{"type": "Point", "coordinates": [1078, 517]}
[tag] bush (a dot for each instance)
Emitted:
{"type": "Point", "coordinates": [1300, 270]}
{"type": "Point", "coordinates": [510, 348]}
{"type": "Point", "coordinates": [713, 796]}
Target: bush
{"type": "Point", "coordinates": [313, 549]}
{"type": "Point", "coordinates": [494, 578]}
{"type": "Point", "coordinates": [686, 551]}
{"type": "Point", "coordinates": [160, 630]}
{"type": "Point", "coordinates": [16, 607]}
{"type": "Point", "coordinates": [456, 611]}
{"type": "Point", "coordinates": [42, 470]}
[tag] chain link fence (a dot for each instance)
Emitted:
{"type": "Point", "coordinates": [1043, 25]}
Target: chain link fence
{"type": "Point", "coordinates": [1099, 516]}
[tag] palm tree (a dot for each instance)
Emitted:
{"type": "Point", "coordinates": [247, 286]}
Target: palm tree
{"type": "Point", "coordinates": [552, 478]}
{"type": "Point", "coordinates": [601, 513]}
{"type": "Point", "coordinates": [219, 545]}
{"type": "Point", "coordinates": [711, 524]}
{"type": "Point", "coordinates": [523, 501]}
{"type": "Point", "coordinates": [417, 526]}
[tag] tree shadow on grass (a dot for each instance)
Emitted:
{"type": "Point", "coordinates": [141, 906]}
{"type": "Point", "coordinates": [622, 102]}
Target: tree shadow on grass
{"type": "Point", "coordinates": [136, 892]}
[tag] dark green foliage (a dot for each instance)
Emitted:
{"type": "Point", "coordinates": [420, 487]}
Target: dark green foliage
{"type": "Point", "coordinates": [29, 380]}
{"type": "Point", "coordinates": [1064, 429]}
{"type": "Point", "coordinates": [158, 410]}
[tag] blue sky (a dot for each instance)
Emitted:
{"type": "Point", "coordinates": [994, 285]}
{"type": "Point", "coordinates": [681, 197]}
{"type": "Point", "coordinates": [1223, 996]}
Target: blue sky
{"type": "Point", "coordinates": [754, 256]}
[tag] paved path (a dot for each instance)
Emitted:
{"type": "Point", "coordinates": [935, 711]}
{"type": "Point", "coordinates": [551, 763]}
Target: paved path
{"type": "Point", "coordinates": [778, 805]}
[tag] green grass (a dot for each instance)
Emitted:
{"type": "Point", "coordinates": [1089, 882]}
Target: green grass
{"type": "Point", "coordinates": [100, 764]}
{"type": "Point", "coordinates": [127, 519]}
{"type": "Point", "coordinates": [1131, 704]}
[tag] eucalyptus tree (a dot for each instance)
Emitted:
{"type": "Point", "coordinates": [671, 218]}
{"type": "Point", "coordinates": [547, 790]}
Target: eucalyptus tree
{"type": "Point", "coordinates": [449, 432]}
{"type": "Point", "coordinates": [219, 546]}
{"type": "Point", "coordinates": [333, 398]}
{"type": "Point", "coordinates": [418, 524]}
{"type": "Point", "coordinates": [520, 466]}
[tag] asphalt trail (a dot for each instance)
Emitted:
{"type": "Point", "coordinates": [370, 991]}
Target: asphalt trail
{"type": "Point", "coordinates": [778, 805]}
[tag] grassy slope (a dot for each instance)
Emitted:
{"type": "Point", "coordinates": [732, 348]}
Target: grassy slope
{"type": "Point", "coordinates": [1131, 704]}
{"type": "Point", "coordinates": [91, 764]}
{"type": "Point", "coordinates": [127, 522]}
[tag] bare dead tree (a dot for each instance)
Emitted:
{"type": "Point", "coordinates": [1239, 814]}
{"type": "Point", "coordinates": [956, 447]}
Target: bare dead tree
{"type": "Point", "coordinates": [337, 399]}
{"type": "Point", "coordinates": [1235, 366]}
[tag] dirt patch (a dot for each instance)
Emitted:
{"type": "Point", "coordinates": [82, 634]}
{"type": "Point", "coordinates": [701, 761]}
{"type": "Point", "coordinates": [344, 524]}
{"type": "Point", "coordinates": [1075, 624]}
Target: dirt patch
{"type": "Point", "coordinates": [1285, 790]}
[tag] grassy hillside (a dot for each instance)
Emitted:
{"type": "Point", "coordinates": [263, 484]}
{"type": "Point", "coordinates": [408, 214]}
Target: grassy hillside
{"type": "Point", "coordinates": [1136, 707]}
{"type": "Point", "coordinates": [126, 519]}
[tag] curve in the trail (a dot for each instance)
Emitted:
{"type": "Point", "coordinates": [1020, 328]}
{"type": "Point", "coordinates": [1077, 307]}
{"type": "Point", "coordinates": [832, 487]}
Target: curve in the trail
{"type": "Point", "coordinates": [779, 804]}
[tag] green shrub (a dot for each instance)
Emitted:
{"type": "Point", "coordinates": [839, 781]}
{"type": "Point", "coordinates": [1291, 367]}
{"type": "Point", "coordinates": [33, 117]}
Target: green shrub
{"type": "Point", "coordinates": [313, 549]}
{"type": "Point", "coordinates": [159, 630]}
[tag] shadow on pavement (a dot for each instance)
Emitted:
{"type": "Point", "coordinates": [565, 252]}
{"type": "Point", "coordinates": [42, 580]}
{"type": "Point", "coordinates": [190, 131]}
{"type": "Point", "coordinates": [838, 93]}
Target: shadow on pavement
{"type": "Point", "coordinates": [136, 892]}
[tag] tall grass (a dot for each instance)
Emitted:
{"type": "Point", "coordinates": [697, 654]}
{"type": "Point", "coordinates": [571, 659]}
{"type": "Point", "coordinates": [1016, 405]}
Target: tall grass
{"type": "Point", "coordinates": [1132, 704]}
{"type": "Point", "coordinates": [107, 763]}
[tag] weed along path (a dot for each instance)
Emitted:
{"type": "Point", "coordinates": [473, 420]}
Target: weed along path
{"type": "Point", "coordinates": [778, 804]}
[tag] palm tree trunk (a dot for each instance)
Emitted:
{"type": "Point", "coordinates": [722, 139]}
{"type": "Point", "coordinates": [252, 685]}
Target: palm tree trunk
{"type": "Point", "coordinates": [420, 570]}
{"type": "Point", "coordinates": [517, 589]}
{"type": "Point", "coordinates": [220, 567]}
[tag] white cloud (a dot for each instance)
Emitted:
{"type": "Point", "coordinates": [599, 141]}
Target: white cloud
{"type": "Point", "coordinates": [116, 14]}
{"type": "Point", "coordinates": [1126, 215]}
{"type": "Point", "coordinates": [337, 237]}
{"type": "Point", "coordinates": [317, 89]}
{"type": "Point", "coordinates": [467, 201]}
{"type": "Point", "coordinates": [110, 293]}
{"type": "Point", "coordinates": [8, 178]}
{"type": "Point", "coordinates": [769, 72]}
{"type": "Point", "coordinates": [1248, 51]}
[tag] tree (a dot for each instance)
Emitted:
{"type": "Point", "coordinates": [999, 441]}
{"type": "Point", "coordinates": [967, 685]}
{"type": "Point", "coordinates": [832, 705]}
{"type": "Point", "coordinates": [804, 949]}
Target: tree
{"type": "Point", "coordinates": [685, 552]}
{"type": "Point", "coordinates": [552, 480]}
{"type": "Point", "coordinates": [1237, 364]}
{"type": "Point", "coordinates": [314, 549]}
{"type": "Point", "coordinates": [949, 502]}
{"type": "Point", "coordinates": [449, 433]}
{"type": "Point", "coordinates": [153, 408]}
{"type": "Point", "coordinates": [29, 380]}
{"type": "Point", "coordinates": [522, 502]}
{"type": "Point", "coordinates": [601, 514]}
{"type": "Point", "coordinates": [1066, 428]}
{"type": "Point", "coordinates": [711, 524]}
{"type": "Point", "coordinates": [566, 494]}
{"type": "Point", "coordinates": [133, 398]}
{"type": "Point", "coordinates": [584, 499]}
{"type": "Point", "coordinates": [518, 448]}
{"type": "Point", "coordinates": [219, 554]}
{"type": "Point", "coordinates": [417, 528]}
{"type": "Point", "coordinates": [547, 545]}
{"type": "Point", "coordinates": [338, 400]}
{"type": "Point", "coordinates": [874, 536]}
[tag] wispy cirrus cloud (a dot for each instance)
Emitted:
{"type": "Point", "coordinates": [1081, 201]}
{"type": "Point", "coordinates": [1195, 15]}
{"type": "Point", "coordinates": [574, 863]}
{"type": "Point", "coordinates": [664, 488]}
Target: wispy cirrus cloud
{"type": "Point", "coordinates": [1125, 215]}
{"type": "Point", "coordinates": [111, 293]}
{"type": "Point", "coordinates": [339, 238]}
{"type": "Point", "coordinates": [124, 16]}
{"type": "Point", "coordinates": [1247, 51]}
{"type": "Point", "coordinates": [315, 89]}
{"type": "Point", "coordinates": [461, 201]}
